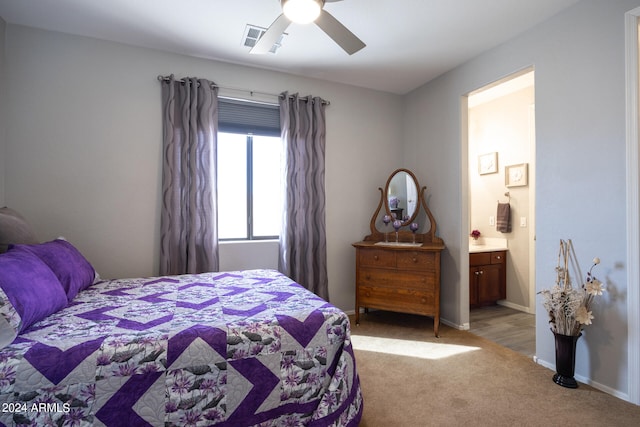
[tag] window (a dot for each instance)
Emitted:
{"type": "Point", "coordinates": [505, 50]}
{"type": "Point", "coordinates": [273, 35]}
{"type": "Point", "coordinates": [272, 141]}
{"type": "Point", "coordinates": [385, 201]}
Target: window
{"type": "Point", "coordinates": [249, 171]}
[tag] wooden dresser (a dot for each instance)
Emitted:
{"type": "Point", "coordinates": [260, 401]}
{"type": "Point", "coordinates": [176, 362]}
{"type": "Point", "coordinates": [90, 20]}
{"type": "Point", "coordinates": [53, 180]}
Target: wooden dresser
{"type": "Point", "coordinates": [399, 278]}
{"type": "Point", "coordinates": [400, 271]}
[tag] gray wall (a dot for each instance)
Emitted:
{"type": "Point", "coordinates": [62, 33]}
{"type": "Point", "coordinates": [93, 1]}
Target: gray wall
{"type": "Point", "coordinates": [84, 148]}
{"type": "Point", "coordinates": [579, 63]}
{"type": "Point", "coordinates": [3, 103]}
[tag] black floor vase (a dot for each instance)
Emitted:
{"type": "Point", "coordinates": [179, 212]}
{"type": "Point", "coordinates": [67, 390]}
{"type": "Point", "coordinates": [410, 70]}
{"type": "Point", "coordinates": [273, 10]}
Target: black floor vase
{"type": "Point", "coordinates": [565, 360]}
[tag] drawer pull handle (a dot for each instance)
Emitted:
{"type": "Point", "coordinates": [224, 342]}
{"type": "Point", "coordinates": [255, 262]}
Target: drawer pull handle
{"type": "Point", "coordinates": [476, 273]}
{"type": "Point", "coordinates": [415, 259]}
{"type": "Point", "coordinates": [375, 257]}
{"type": "Point", "coordinates": [368, 293]}
{"type": "Point", "coordinates": [423, 300]}
{"type": "Point", "coordinates": [498, 257]}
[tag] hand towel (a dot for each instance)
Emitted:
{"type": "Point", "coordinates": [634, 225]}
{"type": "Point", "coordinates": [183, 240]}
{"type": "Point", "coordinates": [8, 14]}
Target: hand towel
{"type": "Point", "coordinates": [503, 216]}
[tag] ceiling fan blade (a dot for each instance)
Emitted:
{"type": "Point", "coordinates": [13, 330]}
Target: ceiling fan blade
{"type": "Point", "coordinates": [339, 33]}
{"type": "Point", "coordinates": [265, 43]}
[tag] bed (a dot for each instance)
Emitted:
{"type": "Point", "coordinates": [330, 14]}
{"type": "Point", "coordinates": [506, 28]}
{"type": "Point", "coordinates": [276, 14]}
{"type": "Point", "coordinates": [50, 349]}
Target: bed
{"type": "Point", "coordinates": [239, 348]}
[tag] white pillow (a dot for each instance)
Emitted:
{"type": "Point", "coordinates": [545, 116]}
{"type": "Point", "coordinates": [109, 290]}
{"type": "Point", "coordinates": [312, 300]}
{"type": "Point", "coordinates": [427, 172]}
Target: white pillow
{"type": "Point", "coordinates": [14, 229]}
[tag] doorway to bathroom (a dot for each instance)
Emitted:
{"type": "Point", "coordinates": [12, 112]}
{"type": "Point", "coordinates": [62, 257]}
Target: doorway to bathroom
{"type": "Point", "coordinates": [501, 150]}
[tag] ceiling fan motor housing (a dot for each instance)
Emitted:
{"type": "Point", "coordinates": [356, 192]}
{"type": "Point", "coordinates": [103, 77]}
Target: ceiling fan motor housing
{"type": "Point", "coordinates": [340, 34]}
{"type": "Point", "coordinates": [302, 11]}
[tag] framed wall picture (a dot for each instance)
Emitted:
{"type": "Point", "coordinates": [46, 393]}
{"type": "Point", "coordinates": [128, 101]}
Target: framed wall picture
{"type": "Point", "coordinates": [488, 163]}
{"type": "Point", "coordinates": [516, 175]}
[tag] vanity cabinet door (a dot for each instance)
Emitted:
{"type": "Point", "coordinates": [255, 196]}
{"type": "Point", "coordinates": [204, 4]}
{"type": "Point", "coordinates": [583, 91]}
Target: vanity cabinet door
{"type": "Point", "coordinates": [473, 286]}
{"type": "Point", "coordinates": [489, 284]}
{"type": "Point", "coordinates": [487, 278]}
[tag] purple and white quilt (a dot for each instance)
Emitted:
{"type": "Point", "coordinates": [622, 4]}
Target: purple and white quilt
{"type": "Point", "coordinates": [246, 348]}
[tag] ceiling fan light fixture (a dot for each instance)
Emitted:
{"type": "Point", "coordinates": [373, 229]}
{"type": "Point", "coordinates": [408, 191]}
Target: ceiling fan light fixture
{"type": "Point", "coordinates": [301, 11]}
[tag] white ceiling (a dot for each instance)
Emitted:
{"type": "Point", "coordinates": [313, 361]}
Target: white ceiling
{"type": "Point", "coordinates": [409, 42]}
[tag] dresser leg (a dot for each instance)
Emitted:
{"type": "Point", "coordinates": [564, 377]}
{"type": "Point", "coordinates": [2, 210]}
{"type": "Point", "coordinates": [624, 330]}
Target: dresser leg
{"type": "Point", "coordinates": [436, 326]}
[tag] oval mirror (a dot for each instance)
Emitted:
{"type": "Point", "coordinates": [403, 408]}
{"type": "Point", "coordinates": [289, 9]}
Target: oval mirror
{"type": "Point", "coordinates": [402, 196]}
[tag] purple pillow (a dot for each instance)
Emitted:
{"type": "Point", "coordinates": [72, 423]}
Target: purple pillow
{"type": "Point", "coordinates": [30, 286]}
{"type": "Point", "coordinates": [67, 263]}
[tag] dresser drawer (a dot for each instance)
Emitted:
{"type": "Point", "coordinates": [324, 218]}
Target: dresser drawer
{"type": "Point", "coordinates": [377, 258]}
{"type": "Point", "coordinates": [396, 279]}
{"type": "Point", "coordinates": [397, 299]}
{"type": "Point", "coordinates": [416, 261]}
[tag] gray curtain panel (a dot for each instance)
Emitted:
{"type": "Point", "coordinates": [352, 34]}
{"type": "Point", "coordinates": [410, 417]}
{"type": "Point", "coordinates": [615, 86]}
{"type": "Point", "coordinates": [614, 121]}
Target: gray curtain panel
{"type": "Point", "coordinates": [189, 234]}
{"type": "Point", "coordinates": [303, 246]}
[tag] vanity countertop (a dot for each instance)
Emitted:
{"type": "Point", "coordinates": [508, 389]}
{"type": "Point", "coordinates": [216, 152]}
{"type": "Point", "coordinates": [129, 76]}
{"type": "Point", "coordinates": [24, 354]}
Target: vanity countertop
{"type": "Point", "coordinates": [488, 245]}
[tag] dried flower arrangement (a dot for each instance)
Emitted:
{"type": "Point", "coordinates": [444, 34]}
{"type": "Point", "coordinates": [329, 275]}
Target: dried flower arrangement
{"type": "Point", "coordinates": [475, 234]}
{"type": "Point", "coordinates": [569, 308]}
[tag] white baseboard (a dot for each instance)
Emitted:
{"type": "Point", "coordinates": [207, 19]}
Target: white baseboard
{"type": "Point", "coordinates": [606, 389]}
{"type": "Point", "coordinates": [518, 307]}
{"type": "Point", "coordinates": [463, 327]}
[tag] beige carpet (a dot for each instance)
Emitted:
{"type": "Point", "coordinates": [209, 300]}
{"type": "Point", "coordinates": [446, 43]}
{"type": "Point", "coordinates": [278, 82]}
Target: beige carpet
{"type": "Point", "coordinates": [411, 378]}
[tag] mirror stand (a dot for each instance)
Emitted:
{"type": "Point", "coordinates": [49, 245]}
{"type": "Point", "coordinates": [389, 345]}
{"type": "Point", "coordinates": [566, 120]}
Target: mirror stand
{"type": "Point", "coordinates": [404, 235]}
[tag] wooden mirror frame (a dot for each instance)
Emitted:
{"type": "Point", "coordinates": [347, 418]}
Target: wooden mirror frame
{"type": "Point", "coordinates": [426, 238]}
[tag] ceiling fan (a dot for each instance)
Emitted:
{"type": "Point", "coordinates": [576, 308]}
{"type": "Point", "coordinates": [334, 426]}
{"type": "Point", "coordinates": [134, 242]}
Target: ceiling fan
{"type": "Point", "coordinates": [304, 12]}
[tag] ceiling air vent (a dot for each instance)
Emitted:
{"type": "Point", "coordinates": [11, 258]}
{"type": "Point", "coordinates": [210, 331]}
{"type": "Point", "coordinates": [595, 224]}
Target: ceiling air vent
{"type": "Point", "coordinates": [253, 33]}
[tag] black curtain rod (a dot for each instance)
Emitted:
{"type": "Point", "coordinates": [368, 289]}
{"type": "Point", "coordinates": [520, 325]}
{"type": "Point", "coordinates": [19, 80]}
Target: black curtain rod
{"type": "Point", "coordinates": [251, 92]}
